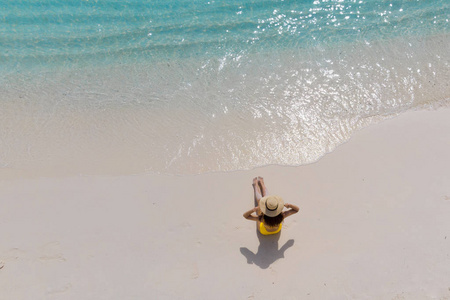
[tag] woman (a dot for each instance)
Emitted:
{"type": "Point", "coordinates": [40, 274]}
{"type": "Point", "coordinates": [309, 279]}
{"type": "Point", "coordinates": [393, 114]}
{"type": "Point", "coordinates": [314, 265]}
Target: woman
{"type": "Point", "coordinates": [269, 209]}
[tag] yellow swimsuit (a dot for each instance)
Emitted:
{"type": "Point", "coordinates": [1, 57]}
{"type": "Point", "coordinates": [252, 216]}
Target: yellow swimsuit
{"type": "Point", "coordinates": [264, 231]}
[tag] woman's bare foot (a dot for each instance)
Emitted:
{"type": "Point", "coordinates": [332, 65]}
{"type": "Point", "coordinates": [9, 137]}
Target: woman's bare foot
{"type": "Point", "coordinates": [255, 181]}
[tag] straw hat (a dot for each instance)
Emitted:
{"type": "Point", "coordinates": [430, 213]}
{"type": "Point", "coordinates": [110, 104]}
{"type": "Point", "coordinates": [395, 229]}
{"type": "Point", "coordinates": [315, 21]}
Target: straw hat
{"type": "Point", "coordinates": [271, 206]}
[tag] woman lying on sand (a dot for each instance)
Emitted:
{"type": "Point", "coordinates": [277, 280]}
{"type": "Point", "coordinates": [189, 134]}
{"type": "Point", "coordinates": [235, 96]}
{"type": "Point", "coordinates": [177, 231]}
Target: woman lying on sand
{"type": "Point", "coordinates": [269, 209]}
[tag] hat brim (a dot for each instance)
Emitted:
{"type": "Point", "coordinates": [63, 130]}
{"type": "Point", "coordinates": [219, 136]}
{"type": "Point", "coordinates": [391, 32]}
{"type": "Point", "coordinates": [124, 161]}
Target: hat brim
{"type": "Point", "coordinates": [271, 213]}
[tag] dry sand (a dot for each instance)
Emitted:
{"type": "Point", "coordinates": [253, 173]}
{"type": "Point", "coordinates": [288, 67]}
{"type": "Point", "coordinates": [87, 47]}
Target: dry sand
{"type": "Point", "coordinates": [373, 224]}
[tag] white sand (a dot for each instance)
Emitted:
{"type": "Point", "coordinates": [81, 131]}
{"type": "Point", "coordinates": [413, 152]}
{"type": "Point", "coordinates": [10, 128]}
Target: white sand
{"type": "Point", "coordinates": [374, 224]}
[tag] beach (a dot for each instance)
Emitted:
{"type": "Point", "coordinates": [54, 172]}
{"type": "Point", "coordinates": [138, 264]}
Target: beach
{"type": "Point", "coordinates": [373, 224]}
{"type": "Point", "coordinates": [131, 131]}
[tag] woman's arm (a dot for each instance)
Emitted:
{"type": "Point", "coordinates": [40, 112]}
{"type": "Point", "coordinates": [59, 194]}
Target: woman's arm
{"type": "Point", "coordinates": [293, 210]}
{"type": "Point", "coordinates": [248, 214]}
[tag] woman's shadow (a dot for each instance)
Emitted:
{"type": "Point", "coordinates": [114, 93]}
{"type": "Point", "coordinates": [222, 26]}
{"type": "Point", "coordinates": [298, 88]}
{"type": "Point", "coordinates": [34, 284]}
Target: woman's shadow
{"type": "Point", "coordinates": [268, 251]}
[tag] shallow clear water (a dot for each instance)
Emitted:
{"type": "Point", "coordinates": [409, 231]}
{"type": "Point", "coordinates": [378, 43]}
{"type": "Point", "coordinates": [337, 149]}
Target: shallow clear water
{"type": "Point", "coordinates": [195, 86]}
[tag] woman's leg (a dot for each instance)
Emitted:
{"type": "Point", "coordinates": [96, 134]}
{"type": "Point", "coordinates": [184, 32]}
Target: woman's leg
{"type": "Point", "coordinates": [257, 191]}
{"type": "Point", "coordinates": [258, 196]}
{"type": "Point", "coordinates": [263, 187]}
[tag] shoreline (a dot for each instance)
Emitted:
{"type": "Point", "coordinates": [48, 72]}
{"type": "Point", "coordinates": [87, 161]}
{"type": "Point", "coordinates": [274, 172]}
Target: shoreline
{"type": "Point", "coordinates": [113, 164]}
{"type": "Point", "coordinates": [155, 119]}
{"type": "Point", "coordinates": [373, 224]}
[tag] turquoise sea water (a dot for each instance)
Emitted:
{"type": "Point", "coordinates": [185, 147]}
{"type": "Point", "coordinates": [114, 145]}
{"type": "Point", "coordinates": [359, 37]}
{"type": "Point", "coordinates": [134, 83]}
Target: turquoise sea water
{"type": "Point", "coordinates": [184, 87]}
{"type": "Point", "coordinates": [73, 32]}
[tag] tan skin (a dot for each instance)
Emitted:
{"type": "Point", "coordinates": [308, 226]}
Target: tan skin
{"type": "Point", "coordinates": [260, 188]}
